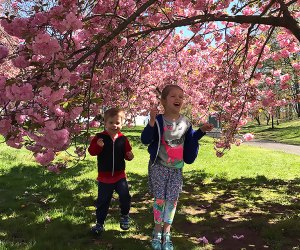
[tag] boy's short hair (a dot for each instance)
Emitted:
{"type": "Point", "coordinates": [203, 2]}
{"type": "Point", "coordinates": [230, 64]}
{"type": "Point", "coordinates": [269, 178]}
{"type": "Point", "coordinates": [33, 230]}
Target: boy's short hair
{"type": "Point", "coordinates": [166, 90]}
{"type": "Point", "coordinates": [113, 112]}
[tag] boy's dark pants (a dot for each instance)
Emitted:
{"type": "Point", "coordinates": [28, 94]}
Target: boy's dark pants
{"type": "Point", "coordinates": [105, 192]}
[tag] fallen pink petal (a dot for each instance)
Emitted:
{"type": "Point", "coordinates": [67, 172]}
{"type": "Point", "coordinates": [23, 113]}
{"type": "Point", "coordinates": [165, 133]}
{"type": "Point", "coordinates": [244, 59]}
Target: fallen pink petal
{"type": "Point", "coordinates": [47, 219]}
{"type": "Point", "coordinates": [219, 240]}
{"type": "Point", "coordinates": [203, 240]}
{"type": "Point", "coordinates": [238, 237]}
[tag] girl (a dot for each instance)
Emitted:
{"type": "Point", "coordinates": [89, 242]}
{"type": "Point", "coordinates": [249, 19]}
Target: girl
{"type": "Point", "coordinates": [172, 142]}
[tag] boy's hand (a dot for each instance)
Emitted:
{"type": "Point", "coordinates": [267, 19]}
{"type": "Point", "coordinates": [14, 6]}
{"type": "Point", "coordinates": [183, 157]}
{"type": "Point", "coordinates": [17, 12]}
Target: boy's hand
{"type": "Point", "coordinates": [129, 155]}
{"type": "Point", "coordinates": [153, 114]}
{"type": "Point", "coordinates": [100, 142]}
{"type": "Point", "coordinates": [206, 127]}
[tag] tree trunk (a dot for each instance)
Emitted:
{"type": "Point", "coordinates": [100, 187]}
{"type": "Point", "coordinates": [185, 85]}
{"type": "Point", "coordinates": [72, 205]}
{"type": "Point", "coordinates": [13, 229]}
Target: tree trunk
{"type": "Point", "coordinates": [257, 119]}
{"type": "Point", "coordinates": [268, 118]}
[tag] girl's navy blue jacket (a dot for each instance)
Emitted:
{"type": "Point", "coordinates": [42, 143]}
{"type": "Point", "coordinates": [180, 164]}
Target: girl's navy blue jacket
{"type": "Point", "coordinates": [152, 136]}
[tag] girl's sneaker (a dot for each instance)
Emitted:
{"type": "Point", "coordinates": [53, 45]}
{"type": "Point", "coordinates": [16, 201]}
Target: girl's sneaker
{"type": "Point", "coordinates": [124, 222]}
{"type": "Point", "coordinates": [97, 229]}
{"type": "Point", "coordinates": [156, 240]}
{"type": "Point", "coordinates": [167, 243]}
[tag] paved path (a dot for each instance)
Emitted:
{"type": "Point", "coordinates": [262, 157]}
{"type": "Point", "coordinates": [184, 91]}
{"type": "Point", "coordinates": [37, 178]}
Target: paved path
{"type": "Point", "coordinates": [291, 149]}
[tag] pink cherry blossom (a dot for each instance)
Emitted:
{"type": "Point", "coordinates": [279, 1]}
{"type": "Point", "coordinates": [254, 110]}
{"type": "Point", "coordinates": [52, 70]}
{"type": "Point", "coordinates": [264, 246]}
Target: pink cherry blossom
{"type": "Point", "coordinates": [40, 18]}
{"type": "Point", "coordinates": [75, 113]}
{"type": "Point", "coordinates": [285, 78]}
{"type": "Point", "coordinates": [20, 118]}
{"type": "Point", "coordinates": [54, 139]}
{"type": "Point", "coordinates": [20, 62]}
{"type": "Point", "coordinates": [248, 137]}
{"type": "Point", "coordinates": [15, 142]}
{"type": "Point", "coordinates": [58, 111]}
{"type": "Point", "coordinates": [248, 11]}
{"type": "Point", "coordinates": [238, 142]}
{"type": "Point", "coordinates": [296, 66]}
{"type": "Point", "coordinates": [62, 75]}
{"type": "Point", "coordinates": [123, 41]}
{"type": "Point", "coordinates": [17, 27]}
{"type": "Point", "coordinates": [45, 45]}
{"type": "Point", "coordinates": [94, 124]}
{"type": "Point", "coordinates": [53, 168]}
{"type": "Point", "coordinates": [57, 95]}
{"type": "Point", "coordinates": [5, 126]}
{"type": "Point", "coordinates": [2, 82]}
{"type": "Point", "coordinates": [277, 72]}
{"type": "Point", "coordinates": [3, 52]}
{"type": "Point", "coordinates": [23, 93]}
{"type": "Point", "coordinates": [45, 158]}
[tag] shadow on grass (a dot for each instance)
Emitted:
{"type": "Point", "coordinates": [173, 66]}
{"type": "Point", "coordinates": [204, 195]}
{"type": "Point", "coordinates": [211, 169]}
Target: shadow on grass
{"type": "Point", "coordinates": [41, 210]}
{"type": "Point", "coordinates": [264, 211]}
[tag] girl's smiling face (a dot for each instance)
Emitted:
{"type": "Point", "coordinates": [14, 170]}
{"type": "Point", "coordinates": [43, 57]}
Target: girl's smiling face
{"type": "Point", "coordinates": [174, 100]}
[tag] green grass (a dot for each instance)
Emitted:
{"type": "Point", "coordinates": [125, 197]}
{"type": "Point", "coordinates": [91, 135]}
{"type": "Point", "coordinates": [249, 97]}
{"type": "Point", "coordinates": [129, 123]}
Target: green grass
{"type": "Point", "coordinates": [249, 191]}
{"type": "Point", "coordinates": [285, 132]}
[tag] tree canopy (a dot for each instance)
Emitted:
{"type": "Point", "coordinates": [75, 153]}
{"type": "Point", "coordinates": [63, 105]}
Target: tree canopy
{"type": "Point", "coordinates": [74, 58]}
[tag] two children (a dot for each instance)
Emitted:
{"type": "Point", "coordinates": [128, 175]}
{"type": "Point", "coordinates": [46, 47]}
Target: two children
{"type": "Point", "coordinates": [172, 142]}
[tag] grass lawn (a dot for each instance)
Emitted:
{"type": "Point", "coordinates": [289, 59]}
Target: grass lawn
{"type": "Point", "coordinates": [285, 132]}
{"type": "Point", "coordinates": [250, 192]}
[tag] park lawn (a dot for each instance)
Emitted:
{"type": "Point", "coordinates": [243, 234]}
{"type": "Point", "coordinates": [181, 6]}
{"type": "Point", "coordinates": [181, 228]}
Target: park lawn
{"type": "Point", "coordinates": [250, 191]}
{"type": "Point", "coordinates": [286, 132]}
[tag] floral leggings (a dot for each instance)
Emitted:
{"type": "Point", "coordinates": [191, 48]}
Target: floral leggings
{"type": "Point", "coordinates": [164, 211]}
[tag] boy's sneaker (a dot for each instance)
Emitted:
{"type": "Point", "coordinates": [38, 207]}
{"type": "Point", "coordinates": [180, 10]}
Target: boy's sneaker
{"type": "Point", "coordinates": [97, 229]}
{"type": "Point", "coordinates": [124, 222]}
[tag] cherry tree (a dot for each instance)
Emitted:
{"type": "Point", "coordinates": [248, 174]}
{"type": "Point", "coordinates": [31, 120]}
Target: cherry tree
{"type": "Point", "coordinates": [76, 57]}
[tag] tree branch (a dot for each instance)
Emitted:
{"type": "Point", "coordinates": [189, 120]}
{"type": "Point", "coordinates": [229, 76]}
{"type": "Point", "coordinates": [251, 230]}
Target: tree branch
{"type": "Point", "coordinates": [255, 19]}
{"type": "Point", "coordinates": [116, 32]}
{"type": "Point", "coordinates": [290, 23]}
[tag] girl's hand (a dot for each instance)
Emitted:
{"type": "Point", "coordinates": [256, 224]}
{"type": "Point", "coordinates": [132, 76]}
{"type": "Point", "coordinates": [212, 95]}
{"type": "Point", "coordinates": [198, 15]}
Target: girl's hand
{"type": "Point", "coordinates": [130, 155]}
{"type": "Point", "coordinates": [153, 114]}
{"type": "Point", "coordinates": [206, 127]}
{"type": "Point", "coordinates": [100, 142]}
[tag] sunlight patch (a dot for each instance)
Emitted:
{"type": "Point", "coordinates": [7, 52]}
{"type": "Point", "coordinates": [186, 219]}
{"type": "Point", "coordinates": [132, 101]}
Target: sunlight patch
{"type": "Point", "coordinates": [195, 219]}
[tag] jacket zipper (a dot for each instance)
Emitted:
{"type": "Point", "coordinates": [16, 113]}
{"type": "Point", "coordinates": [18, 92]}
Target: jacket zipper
{"type": "Point", "coordinates": [113, 160]}
{"type": "Point", "coordinates": [159, 138]}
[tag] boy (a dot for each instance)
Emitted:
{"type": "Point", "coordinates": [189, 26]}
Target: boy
{"type": "Point", "coordinates": [112, 148]}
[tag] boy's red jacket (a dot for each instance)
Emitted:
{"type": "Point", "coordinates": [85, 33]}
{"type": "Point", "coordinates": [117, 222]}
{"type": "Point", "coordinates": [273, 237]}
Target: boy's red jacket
{"type": "Point", "coordinates": [111, 157]}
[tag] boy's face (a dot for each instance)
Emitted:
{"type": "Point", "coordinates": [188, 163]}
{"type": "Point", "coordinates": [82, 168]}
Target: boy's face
{"type": "Point", "coordinates": [174, 100]}
{"type": "Point", "coordinates": [113, 124]}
